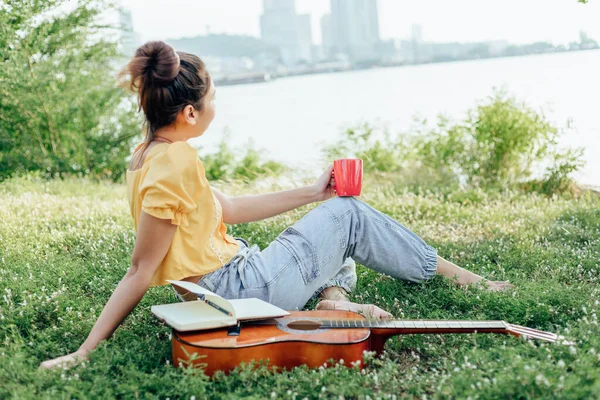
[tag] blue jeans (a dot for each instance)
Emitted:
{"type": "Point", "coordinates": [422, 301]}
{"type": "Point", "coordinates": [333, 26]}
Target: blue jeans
{"type": "Point", "coordinates": [309, 256]}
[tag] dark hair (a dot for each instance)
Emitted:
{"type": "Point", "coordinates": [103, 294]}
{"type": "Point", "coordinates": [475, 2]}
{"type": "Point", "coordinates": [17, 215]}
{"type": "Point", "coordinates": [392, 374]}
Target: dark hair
{"type": "Point", "coordinates": [166, 81]}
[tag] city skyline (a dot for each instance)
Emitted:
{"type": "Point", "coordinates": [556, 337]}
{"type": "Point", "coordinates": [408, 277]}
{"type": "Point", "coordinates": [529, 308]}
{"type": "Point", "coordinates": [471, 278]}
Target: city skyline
{"type": "Point", "coordinates": [557, 21]}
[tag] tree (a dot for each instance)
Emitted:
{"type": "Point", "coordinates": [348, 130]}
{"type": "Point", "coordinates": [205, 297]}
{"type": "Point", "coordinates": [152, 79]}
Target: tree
{"type": "Point", "coordinates": [60, 108]}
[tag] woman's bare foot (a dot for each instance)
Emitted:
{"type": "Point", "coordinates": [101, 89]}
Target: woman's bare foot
{"type": "Point", "coordinates": [496, 286]}
{"type": "Point", "coordinates": [370, 311]}
{"type": "Point", "coordinates": [462, 277]}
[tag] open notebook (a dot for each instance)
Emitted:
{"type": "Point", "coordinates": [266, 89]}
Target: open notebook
{"type": "Point", "coordinates": [198, 314]}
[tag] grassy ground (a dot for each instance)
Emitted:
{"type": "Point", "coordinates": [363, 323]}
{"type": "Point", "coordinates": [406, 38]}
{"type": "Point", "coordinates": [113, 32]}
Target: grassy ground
{"type": "Point", "coordinates": [65, 245]}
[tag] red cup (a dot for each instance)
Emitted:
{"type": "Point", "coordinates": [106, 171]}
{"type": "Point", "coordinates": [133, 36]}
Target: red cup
{"type": "Point", "coordinates": [348, 173]}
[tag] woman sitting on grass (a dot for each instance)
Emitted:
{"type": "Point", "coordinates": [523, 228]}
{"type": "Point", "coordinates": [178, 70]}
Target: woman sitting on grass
{"type": "Point", "coordinates": [180, 219]}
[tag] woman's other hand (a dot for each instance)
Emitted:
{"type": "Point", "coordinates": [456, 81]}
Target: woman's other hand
{"type": "Point", "coordinates": [325, 186]}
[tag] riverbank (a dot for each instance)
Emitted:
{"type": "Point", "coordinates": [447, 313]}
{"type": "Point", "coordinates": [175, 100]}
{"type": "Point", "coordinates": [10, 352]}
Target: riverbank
{"type": "Point", "coordinates": [331, 67]}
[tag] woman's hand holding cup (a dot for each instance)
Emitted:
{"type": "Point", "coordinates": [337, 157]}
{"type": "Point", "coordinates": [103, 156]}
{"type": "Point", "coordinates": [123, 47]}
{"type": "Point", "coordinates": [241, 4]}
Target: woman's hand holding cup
{"type": "Point", "coordinates": [348, 174]}
{"type": "Point", "coordinates": [343, 178]}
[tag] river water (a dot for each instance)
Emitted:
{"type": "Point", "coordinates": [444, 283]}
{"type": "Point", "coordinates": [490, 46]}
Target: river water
{"type": "Point", "coordinates": [292, 119]}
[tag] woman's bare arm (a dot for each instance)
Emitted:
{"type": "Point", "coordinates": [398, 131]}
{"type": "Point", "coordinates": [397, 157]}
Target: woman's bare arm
{"type": "Point", "coordinates": [250, 208]}
{"type": "Point", "coordinates": [238, 210]}
{"type": "Point", "coordinates": [152, 243]}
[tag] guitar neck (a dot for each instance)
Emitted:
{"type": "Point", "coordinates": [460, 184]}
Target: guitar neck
{"type": "Point", "coordinates": [403, 327]}
{"type": "Point", "coordinates": [418, 326]}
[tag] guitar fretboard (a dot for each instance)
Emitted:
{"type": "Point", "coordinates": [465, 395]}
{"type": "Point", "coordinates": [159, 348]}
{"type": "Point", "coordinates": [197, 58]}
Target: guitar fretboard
{"type": "Point", "coordinates": [412, 324]}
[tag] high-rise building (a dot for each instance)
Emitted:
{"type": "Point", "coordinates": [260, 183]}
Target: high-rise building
{"type": "Point", "coordinates": [326, 34]}
{"type": "Point", "coordinates": [355, 28]}
{"type": "Point", "coordinates": [304, 38]}
{"type": "Point", "coordinates": [290, 32]}
{"type": "Point", "coordinates": [128, 41]}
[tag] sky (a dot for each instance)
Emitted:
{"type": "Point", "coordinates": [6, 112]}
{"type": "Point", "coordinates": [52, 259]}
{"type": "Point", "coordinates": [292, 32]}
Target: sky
{"type": "Point", "coordinates": [518, 21]}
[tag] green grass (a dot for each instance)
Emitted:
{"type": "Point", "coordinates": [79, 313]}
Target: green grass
{"type": "Point", "coordinates": [65, 245]}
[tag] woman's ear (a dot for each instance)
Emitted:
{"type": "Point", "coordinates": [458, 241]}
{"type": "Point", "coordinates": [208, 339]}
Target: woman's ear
{"type": "Point", "coordinates": [189, 114]}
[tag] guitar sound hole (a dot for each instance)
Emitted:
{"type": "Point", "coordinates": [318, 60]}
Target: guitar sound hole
{"type": "Point", "coordinates": [304, 325]}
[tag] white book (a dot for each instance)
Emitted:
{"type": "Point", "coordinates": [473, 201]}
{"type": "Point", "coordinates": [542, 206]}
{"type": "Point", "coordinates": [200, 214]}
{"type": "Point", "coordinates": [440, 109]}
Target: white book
{"type": "Point", "coordinates": [198, 314]}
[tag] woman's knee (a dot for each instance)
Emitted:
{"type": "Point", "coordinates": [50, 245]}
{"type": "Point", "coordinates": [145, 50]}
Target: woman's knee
{"type": "Point", "coordinates": [341, 205]}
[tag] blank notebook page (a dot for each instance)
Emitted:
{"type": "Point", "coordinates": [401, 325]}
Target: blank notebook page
{"type": "Point", "coordinates": [255, 309]}
{"type": "Point", "coordinates": [194, 312]}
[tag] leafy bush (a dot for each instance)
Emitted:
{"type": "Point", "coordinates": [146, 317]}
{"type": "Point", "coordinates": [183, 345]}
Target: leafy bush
{"type": "Point", "coordinates": [225, 165]}
{"type": "Point", "coordinates": [60, 108]}
{"type": "Point", "coordinates": [556, 178]}
{"type": "Point", "coordinates": [377, 150]}
{"type": "Point", "coordinates": [251, 167]}
{"type": "Point", "coordinates": [501, 143]}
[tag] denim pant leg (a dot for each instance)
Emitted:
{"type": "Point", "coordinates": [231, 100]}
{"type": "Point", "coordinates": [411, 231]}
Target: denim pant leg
{"type": "Point", "coordinates": [311, 252]}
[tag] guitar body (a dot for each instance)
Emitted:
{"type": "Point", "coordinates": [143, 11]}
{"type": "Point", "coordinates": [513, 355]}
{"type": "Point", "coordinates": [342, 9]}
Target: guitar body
{"type": "Point", "coordinates": [284, 347]}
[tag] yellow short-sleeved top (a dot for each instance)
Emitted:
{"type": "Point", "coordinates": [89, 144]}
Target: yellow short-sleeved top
{"type": "Point", "coordinates": [171, 184]}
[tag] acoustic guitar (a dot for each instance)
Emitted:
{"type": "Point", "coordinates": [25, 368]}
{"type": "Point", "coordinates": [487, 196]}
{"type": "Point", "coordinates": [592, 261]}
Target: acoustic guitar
{"type": "Point", "coordinates": [314, 337]}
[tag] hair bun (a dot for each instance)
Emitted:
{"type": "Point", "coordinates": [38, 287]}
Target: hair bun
{"type": "Point", "coordinates": [157, 64]}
